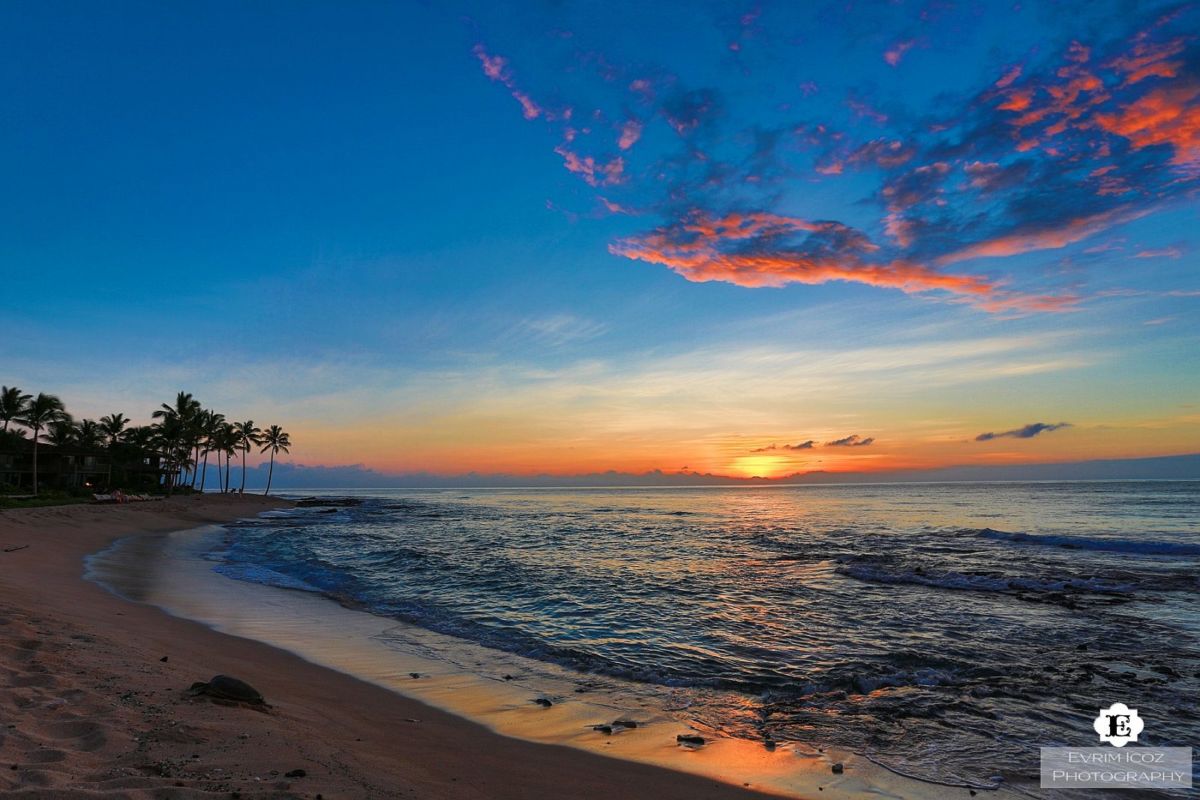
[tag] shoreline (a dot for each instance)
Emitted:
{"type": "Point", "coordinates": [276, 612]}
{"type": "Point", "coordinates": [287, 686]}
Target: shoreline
{"type": "Point", "coordinates": [96, 712]}
{"type": "Point", "coordinates": [124, 724]}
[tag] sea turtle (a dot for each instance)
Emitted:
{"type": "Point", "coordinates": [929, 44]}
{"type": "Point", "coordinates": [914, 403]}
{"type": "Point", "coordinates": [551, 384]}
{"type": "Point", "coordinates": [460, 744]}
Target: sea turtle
{"type": "Point", "coordinates": [224, 689]}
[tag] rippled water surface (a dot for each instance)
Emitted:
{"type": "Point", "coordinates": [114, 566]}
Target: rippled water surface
{"type": "Point", "coordinates": [945, 630]}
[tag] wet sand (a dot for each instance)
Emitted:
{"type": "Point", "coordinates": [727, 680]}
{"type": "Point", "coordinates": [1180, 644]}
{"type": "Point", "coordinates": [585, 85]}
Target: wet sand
{"type": "Point", "coordinates": [93, 694]}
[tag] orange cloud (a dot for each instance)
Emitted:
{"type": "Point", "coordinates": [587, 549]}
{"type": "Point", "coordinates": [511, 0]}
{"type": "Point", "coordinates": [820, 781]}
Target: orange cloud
{"type": "Point", "coordinates": [1149, 60]}
{"type": "Point", "coordinates": [1168, 115]}
{"type": "Point", "coordinates": [696, 250]}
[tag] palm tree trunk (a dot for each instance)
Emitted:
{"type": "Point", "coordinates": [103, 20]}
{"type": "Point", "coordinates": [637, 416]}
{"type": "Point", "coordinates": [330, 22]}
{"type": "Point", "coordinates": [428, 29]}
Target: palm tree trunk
{"type": "Point", "coordinates": [227, 460]}
{"type": "Point", "coordinates": [270, 473]}
{"type": "Point", "coordinates": [204, 472]}
{"type": "Point", "coordinates": [243, 489]}
{"type": "Point", "coordinates": [195, 464]}
{"type": "Point", "coordinates": [36, 430]}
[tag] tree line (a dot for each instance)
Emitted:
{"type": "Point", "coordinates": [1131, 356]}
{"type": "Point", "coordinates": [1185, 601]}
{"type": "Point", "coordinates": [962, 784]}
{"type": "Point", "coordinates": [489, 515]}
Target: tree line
{"type": "Point", "coordinates": [183, 436]}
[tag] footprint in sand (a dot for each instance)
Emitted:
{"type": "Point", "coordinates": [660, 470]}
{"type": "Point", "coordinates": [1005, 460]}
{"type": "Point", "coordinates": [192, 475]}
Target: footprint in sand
{"type": "Point", "coordinates": [44, 755]}
{"type": "Point", "coordinates": [88, 735]}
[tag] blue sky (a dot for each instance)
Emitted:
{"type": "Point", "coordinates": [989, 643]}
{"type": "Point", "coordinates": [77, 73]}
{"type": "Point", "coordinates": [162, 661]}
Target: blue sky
{"type": "Point", "coordinates": [376, 223]}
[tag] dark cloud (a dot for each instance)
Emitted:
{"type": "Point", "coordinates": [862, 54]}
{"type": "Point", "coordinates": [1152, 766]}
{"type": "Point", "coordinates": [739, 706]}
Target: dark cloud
{"type": "Point", "coordinates": [852, 440]}
{"type": "Point", "coordinates": [1028, 432]}
{"type": "Point", "coordinates": [802, 446]}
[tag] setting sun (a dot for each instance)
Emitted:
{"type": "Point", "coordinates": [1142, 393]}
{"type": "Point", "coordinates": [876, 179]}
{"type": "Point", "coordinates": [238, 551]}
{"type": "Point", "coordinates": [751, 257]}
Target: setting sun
{"type": "Point", "coordinates": [762, 466]}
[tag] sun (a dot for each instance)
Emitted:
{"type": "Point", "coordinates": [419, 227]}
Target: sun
{"type": "Point", "coordinates": [761, 466]}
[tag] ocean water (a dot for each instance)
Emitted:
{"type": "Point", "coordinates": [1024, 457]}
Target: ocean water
{"type": "Point", "coordinates": [946, 631]}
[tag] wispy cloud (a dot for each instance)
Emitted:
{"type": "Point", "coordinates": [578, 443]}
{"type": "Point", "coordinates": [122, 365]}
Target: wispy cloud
{"type": "Point", "coordinates": [496, 68]}
{"type": "Point", "coordinates": [1160, 252]}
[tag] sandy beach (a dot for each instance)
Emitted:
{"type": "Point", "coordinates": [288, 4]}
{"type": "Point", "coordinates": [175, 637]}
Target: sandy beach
{"type": "Point", "coordinates": [93, 692]}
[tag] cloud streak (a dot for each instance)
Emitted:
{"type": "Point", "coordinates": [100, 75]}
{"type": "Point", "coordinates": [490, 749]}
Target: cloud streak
{"type": "Point", "coordinates": [852, 440]}
{"type": "Point", "coordinates": [1026, 432]}
{"type": "Point", "coordinates": [808, 445]}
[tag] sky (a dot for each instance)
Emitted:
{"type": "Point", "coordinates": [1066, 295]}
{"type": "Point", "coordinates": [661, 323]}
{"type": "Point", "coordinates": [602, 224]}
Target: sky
{"type": "Point", "coordinates": [739, 238]}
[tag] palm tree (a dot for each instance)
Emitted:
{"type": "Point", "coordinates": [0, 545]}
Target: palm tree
{"type": "Point", "coordinates": [61, 432]}
{"type": "Point", "coordinates": [112, 426]}
{"type": "Point", "coordinates": [12, 404]}
{"type": "Point", "coordinates": [246, 437]}
{"type": "Point", "coordinates": [227, 443]}
{"type": "Point", "coordinates": [37, 414]}
{"type": "Point", "coordinates": [210, 425]}
{"type": "Point", "coordinates": [88, 434]}
{"type": "Point", "coordinates": [274, 439]}
{"type": "Point", "coordinates": [183, 416]}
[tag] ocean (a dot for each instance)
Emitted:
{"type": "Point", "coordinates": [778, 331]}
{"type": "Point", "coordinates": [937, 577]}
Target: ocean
{"type": "Point", "coordinates": [945, 631]}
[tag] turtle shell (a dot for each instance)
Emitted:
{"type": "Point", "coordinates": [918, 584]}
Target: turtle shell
{"type": "Point", "coordinates": [228, 688]}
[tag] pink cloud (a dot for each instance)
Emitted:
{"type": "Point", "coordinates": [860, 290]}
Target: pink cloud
{"type": "Point", "coordinates": [593, 172]}
{"type": "Point", "coordinates": [631, 131]}
{"type": "Point", "coordinates": [1072, 231]}
{"type": "Point", "coordinates": [1007, 78]}
{"type": "Point", "coordinates": [1161, 252]}
{"type": "Point", "coordinates": [896, 52]}
{"type": "Point", "coordinates": [496, 69]}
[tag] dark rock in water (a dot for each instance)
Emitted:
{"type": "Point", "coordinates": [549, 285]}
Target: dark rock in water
{"type": "Point", "coordinates": [1081, 646]}
{"type": "Point", "coordinates": [414, 674]}
{"type": "Point", "coordinates": [769, 744]}
{"type": "Point", "coordinates": [543, 702]}
{"type": "Point", "coordinates": [838, 768]}
{"type": "Point", "coordinates": [690, 739]}
{"type": "Point", "coordinates": [625, 723]}
{"type": "Point", "coordinates": [296, 773]}
{"type": "Point", "coordinates": [508, 677]}
{"type": "Point", "coordinates": [232, 690]}
{"type": "Point", "coordinates": [328, 511]}
{"type": "Point", "coordinates": [316, 502]}
{"type": "Point", "coordinates": [605, 729]}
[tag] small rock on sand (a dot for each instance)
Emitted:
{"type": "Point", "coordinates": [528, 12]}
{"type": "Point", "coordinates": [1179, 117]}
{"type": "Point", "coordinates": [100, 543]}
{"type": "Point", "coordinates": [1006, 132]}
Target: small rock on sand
{"type": "Point", "coordinates": [295, 773]}
{"type": "Point", "coordinates": [690, 739]}
{"type": "Point", "coordinates": [838, 768]}
{"type": "Point", "coordinates": [543, 702]}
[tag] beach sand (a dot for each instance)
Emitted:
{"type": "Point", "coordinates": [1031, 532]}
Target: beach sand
{"type": "Point", "coordinates": [93, 700]}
